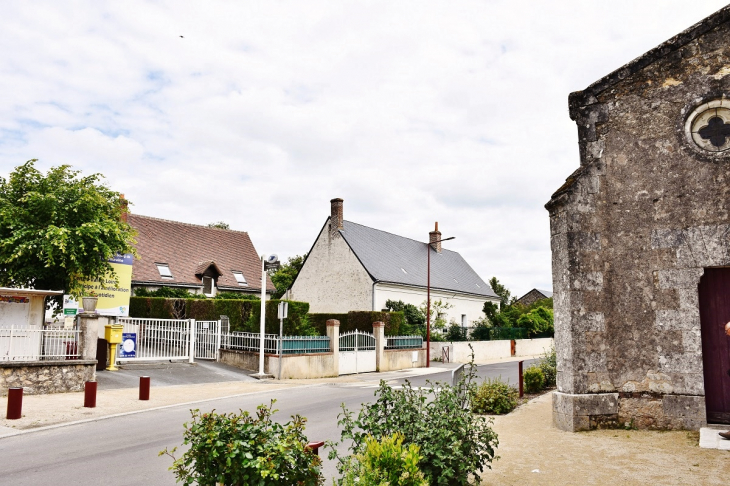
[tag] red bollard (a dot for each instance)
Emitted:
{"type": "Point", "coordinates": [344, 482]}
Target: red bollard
{"type": "Point", "coordinates": [15, 403]}
{"type": "Point", "coordinates": [90, 394]}
{"type": "Point", "coordinates": [314, 447]}
{"type": "Point", "coordinates": [144, 387]}
{"type": "Point", "coordinates": [520, 379]}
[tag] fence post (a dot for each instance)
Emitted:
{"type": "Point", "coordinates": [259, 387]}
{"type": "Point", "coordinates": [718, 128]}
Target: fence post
{"type": "Point", "coordinates": [379, 332]}
{"type": "Point", "coordinates": [333, 332]}
{"type": "Point", "coordinates": [89, 335]}
{"type": "Point", "coordinates": [192, 332]}
{"type": "Point", "coordinates": [218, 341]}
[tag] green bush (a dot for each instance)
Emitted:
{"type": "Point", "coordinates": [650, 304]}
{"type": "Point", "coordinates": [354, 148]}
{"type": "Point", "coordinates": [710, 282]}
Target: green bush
{"type": "Point", "coordinates": [395, 322]}
{"type": "Point", "coordinates": [242, 449]}
{"type": "Point", "coordinates": [455, 444]}
{"type": "Point", "coordinates": [534, 380]}
{"type": "Point", "coordinates": [236, 296]}
{"type": "Point", "coordinates": [168, 293]}
{"type": "Point", "coordinates": [494, 396]}
{"type": "Point", "coordinates": [455, 333]}
{"type": "Point", "coordinates": [549, 366]}
{"type": "Point", "coordinates": [387, 462]}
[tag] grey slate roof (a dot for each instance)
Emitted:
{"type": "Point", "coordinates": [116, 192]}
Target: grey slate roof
{"type": "Point", "coordinates": [546, 293]}
{"type": "Point", "coordinates": [385, 256]}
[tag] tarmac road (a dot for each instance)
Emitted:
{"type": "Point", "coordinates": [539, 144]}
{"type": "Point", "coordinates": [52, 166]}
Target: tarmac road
{"type": "Point", "coordinates": [124, 450]}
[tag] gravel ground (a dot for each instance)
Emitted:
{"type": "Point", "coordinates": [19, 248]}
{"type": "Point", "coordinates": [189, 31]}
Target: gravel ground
{"type": "Point", "coordinates": [533, 452]}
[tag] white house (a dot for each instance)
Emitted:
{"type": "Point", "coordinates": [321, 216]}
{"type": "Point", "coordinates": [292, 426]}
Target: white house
{"type": "Point", "coordinates": [353, 267]}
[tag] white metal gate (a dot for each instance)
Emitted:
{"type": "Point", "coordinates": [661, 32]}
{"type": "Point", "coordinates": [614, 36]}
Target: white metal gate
{"type": "Point", "coordinates": [207, 339]}
{"type": "Point", "coordinates": [357, 352]}
{"type": "Point", "coordinates": [157, 339]}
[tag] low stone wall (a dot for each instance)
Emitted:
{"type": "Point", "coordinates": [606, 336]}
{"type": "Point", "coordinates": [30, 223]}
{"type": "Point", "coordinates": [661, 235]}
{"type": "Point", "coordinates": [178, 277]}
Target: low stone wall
{"type": "Point", "coordinates": [40, 377]}
{"type": "Point", "coordinates": [532, 347]}
{"type": "Point", "coordinates": [459, 352]}
{"type": "Point", "coordinates": [400, 359]}
{"type": "Point", "coordinates": [319, 365]}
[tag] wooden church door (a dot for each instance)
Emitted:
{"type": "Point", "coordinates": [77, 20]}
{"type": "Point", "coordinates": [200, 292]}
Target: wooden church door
{"type": "Point", "coordinates": [714, 296]}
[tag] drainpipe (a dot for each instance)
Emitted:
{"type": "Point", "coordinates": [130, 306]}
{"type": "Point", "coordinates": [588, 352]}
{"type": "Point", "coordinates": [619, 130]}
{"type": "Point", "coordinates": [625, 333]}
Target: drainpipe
{"type": "Point", "coordinates": [374, 283]}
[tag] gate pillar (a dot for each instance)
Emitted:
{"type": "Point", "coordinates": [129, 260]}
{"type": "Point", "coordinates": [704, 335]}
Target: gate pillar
{"type": "Point", "coordinates": [379, 333]}
{"type": "Point", "coordinates": [333, 332]}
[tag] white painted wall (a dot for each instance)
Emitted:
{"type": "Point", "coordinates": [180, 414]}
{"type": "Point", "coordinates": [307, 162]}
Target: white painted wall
{"type": "Point", "coordinates": [462, 304]}
{"type": "Point", "coordinates": [332, 279]}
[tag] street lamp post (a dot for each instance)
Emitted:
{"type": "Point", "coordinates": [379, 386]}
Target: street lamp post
{"type": "Point", "coordinates": [428, 298]}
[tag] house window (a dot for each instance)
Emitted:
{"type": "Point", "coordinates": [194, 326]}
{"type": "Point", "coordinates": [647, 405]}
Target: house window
{"type": "Point", "coordinates": [164, 270]}
{"type": "Point", "coordinates": [240, 278]}
{"type": "Point", "coordinates": [208, 288]}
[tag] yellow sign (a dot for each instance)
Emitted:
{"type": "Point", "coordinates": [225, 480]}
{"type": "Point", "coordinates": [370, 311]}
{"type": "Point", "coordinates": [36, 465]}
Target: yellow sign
{"type": "Point", "coordinates": [114, 299]}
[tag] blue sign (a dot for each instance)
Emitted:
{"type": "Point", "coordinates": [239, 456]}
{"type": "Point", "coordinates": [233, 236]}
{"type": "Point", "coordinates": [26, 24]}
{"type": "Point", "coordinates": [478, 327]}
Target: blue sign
{"type": "Point", "coordinates": [128, 349]}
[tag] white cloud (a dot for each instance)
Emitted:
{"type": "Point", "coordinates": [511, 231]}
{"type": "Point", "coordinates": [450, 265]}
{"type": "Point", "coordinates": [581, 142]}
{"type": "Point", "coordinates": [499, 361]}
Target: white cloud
{"type": "Point", "coordinates": [412, 111]}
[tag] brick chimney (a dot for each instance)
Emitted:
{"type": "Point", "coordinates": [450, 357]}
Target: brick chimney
{"type": "Point", "coordinates": [125, 207]}
{"type": "Point", "coordinates": [336, 217]}
{"type": "Point", "coordinates": [434, 237]}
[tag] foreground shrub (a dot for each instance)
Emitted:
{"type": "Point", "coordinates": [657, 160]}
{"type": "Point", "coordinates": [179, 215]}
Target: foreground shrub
{"type": "Point", "coordinates": [387, 462]}
{"type": "Point", "coordinates": [549, 366]}
{"type": "Point", "coordinates": [494, 396]}
{"type": "Point", "coordinates": [534, 380]}
{"type": "Point", "coordinates": [455, 445]}
{"type": "Point", "coordinates": [242, 449]}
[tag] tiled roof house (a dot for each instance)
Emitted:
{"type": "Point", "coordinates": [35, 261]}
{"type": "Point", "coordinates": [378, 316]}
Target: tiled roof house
{"type": "Point", "coordinates": [534, 295]}
{"type": "Point", "coordinates": [199, 258]}
{"type": "Point", "coordinates": [354, 267]}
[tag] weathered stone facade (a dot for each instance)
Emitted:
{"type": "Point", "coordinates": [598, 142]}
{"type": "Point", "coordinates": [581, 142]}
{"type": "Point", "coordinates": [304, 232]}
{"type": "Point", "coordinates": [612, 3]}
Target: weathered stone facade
{"type": "Point", "coordinates": [41, 377]}
{"type": "Point", "coordinates": [632, 231]}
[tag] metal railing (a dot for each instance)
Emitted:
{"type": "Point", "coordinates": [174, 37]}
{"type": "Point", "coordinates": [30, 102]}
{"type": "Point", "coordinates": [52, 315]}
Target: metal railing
{"type": "Point", "coordinates": [403, 342]}
{"type": "Point", "coordinates": [357, 341]}
{"type": "Point", "coordinates": [23, 344]}
{"type": "Point", "coordinates": [251, 341]}
{"type": "Point", "coordinates": [306, 344]}
{"type": "Point", "coordinates": [158, 339]}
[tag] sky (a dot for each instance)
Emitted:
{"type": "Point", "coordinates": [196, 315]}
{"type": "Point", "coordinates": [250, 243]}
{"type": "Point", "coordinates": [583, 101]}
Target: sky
{"type": "Point", "coordinates": [257, 113]}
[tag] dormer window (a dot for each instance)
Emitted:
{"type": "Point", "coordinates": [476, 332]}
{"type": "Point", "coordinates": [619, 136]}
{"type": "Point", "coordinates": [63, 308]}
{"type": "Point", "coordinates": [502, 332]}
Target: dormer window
{"type": "Point", "coordinates": [240, 278]}
{"type": "Point", "coordinates": [164, 270]}
{"type": "Point", "coordinates": [208, 287]}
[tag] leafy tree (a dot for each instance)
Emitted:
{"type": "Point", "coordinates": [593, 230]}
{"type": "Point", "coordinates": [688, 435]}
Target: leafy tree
{"type": "Point", "coordinates": [219, 225]}
{"type": "Point", "coordinates": [537, 321]}
{"type": "Point", "coordinates": [284, 276]}
{"type": "Point", "coordinates": [59, 229]}
{"type": "Point", "coordinates": [501, 291]}
{"type": "Point", "coordinates": [490, 310]}
{"type": "Point", "coordinates": [438, 312]}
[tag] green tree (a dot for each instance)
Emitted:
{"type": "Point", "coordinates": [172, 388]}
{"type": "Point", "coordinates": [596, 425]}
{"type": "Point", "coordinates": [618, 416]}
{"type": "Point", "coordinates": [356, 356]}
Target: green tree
{"type": "Point", "coordinates": [284, 276]}
{"type": "Point", "coordinates": [501, 291]}
{"type": "Point", "coordinates": [58, 229]}
{"type": "Point", "coordinates": [438, 312]}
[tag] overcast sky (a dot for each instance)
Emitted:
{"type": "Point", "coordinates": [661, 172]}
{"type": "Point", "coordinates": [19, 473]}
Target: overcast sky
{"type": "Point", "coordinates": [259, 113]}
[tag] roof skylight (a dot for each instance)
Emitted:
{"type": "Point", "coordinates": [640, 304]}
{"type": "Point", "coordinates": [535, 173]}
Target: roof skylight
{"type": "Point", "coordinates": [404, 270]}
{"type": "Point", "coordinates": [164, 270]}
{"type": "Point", "coordinates": [240, 278]}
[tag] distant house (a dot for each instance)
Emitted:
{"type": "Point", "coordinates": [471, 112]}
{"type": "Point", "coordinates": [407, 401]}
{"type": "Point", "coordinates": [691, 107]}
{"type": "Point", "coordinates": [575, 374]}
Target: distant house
{"type": "Point", "coordinates": [533, 296]}
{"type": "Point", "coordinates": [201, 259]}
{"type": "Point", "coordinates": [354, 267]}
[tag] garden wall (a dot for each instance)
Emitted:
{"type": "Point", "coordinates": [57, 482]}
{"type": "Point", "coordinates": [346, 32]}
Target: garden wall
{"type": "Point", "coordinates": [40, 377]}
{"type": "Point", "coordinates": [459, 352]}
{"type": "Point", "coordinates": [319, 365]}
{"type": "Point", "coordinates": [400, 359]}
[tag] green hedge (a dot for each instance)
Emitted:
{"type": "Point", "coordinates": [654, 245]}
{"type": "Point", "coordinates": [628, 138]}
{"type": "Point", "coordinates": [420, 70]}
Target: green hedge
{"type": "Point", "coordinates": [244, 315]}
{"type": "Point", "coordinates": [395, 322]}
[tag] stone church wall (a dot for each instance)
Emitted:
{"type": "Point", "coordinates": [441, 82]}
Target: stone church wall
{"type": "Point", "coordinates": [631, 232]}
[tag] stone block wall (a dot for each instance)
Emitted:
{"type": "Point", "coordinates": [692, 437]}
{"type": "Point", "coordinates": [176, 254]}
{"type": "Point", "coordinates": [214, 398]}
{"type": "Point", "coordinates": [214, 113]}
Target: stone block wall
{"type": "Point", "coordinates": [632, 231]}
{"type": "Point", "coordinates": [43, 377]}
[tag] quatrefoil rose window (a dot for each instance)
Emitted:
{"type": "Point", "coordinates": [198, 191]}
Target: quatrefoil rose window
{"type": "Point", "coordinates": [709, 126]}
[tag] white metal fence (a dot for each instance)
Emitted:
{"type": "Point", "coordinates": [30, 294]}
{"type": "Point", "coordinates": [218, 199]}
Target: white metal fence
{"type": "Point", "coordinates": [159, 339]}
{"type": "Point", "coordinates": [357, 341]}
{"type": "Point", "coordinates": [23, 344]}
{"type": "Point", "coordinates": [207, 339]}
